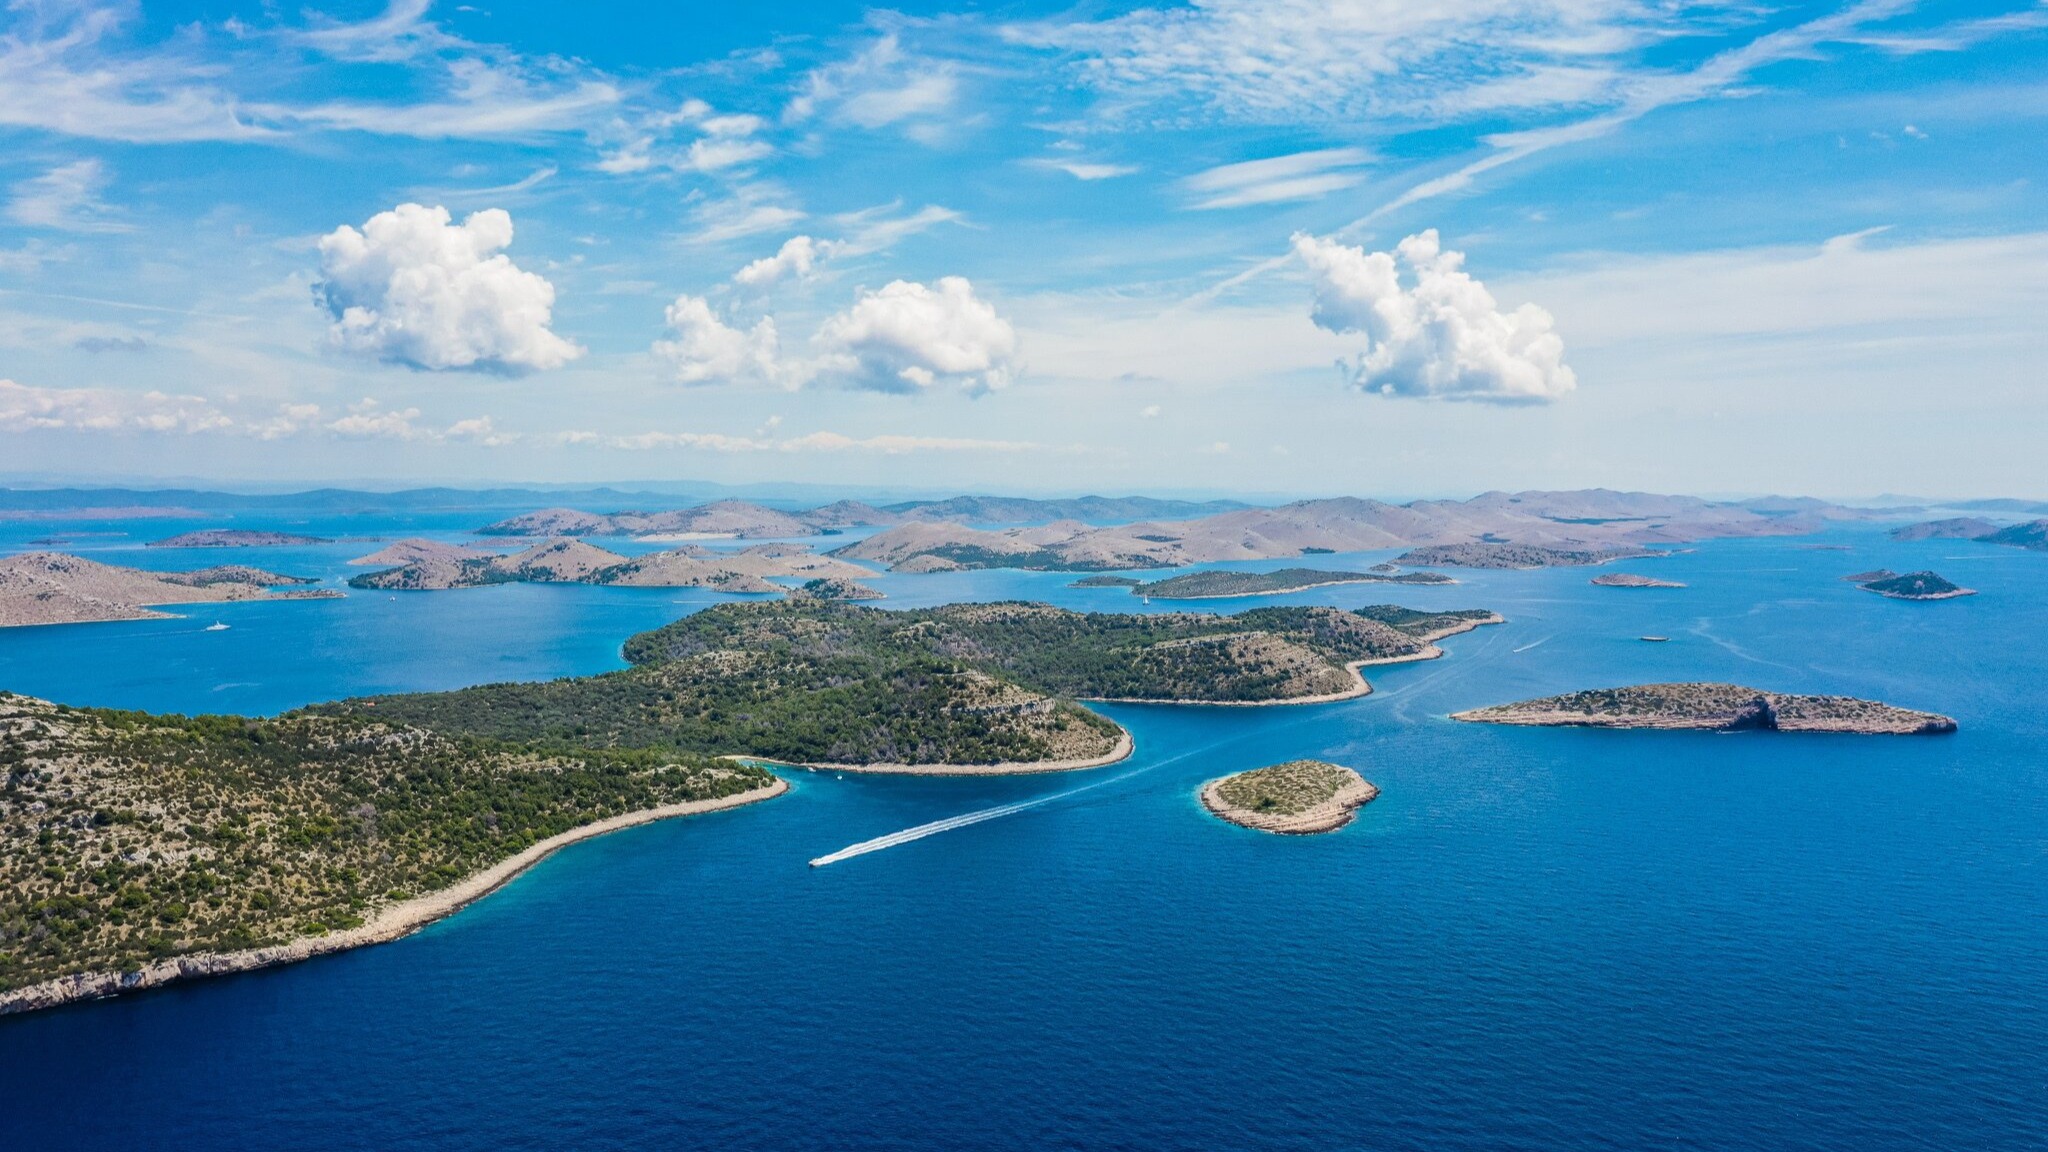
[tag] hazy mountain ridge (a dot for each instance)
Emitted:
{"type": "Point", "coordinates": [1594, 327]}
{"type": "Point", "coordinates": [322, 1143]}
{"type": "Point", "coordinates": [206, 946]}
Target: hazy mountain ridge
{"type": "Point", "coordinates": [1585, 521]}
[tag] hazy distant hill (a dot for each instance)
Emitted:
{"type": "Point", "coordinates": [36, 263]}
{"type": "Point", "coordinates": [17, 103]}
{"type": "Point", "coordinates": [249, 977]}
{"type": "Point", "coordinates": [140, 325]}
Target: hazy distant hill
{"type": "Point", "coordinates": [2032, 534]}
{"type": "Point", "coordinates": [1591, 520]}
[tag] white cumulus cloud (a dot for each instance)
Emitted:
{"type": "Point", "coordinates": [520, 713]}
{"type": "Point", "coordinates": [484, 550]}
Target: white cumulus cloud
{"type": "Point", "coordinates": [798, 257]}
{"type": "Point", "coordinates": [908, 336]}
{"type": "Point", "coordinates": [903, 337]}
{"type": "Point", "coordinates": [705, 349]}
{"type": "Point", "coordinates": [414, 288]}
{"type": "Point", "coordinates": [1441, 335]}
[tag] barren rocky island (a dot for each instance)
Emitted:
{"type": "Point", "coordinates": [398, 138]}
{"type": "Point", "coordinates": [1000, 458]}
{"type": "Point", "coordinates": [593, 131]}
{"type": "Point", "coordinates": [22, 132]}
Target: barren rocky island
{"type": "Point", "coordinates": [1714, 708]}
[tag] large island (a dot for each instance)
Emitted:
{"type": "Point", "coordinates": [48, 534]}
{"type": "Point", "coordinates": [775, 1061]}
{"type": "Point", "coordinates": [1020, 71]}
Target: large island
{"type": "Point", "coordinates": [1711, 707]}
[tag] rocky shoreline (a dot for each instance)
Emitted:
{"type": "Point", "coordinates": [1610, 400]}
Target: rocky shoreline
{"type": "Point", "coordinates": [392, 923]}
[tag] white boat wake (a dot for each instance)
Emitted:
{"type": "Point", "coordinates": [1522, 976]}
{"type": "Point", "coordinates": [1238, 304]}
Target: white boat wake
{"type": "Point", "coordinates": [967, 818]}
{"type": "Point", "coordinates": [1000, 810]}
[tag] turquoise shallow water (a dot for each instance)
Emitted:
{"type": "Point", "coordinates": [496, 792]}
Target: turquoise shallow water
{"type": "Point", "coordinates": [1535, 938]}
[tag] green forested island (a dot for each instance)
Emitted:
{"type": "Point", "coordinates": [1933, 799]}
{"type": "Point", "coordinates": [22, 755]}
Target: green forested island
{"type": "Point", "coordinates": [1915, 586]}
{"type": "Point", "coordinates": [811, 681]}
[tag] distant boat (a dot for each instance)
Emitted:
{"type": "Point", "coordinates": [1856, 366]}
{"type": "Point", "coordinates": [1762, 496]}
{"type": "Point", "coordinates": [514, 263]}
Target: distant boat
{"type": "Point", "coordinates": [1657, 639]}
{"type": "Point", "coordinates": [216, 626]}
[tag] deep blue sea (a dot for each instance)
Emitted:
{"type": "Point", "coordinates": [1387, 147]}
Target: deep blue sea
{"type": "Point", "coordinates": [1534, 939]}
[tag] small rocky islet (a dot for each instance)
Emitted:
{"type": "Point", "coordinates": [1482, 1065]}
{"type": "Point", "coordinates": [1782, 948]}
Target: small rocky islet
{"type": "Point", "coordinates": [1631, 580]}
{"type": "Point", "coordinates": [1299, 797]}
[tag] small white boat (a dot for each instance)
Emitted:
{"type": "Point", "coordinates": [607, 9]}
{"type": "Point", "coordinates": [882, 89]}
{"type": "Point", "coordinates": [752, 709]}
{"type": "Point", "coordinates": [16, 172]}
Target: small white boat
{"type": "Point", "coordinates": [216, 626]}
{"type": "Point", "coordinates": [1656, 639]}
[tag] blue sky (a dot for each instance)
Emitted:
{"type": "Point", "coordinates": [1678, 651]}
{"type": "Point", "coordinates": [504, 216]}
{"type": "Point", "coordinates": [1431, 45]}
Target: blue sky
{"type": "Point", "coordinates": [1370, 247]}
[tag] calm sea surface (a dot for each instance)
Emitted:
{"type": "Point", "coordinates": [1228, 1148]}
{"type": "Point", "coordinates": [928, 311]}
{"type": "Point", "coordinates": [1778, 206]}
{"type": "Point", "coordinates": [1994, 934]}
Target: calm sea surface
{"type": "Point", "coordinates": [1535, 939]}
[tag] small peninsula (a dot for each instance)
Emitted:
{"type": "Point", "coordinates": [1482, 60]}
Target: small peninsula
{"type": "Point", "coordinates": [1917, 586]}
{"type": "Point", "coordinates": [1299, 797]}
{"type": "Point", "coordinates": [235, 538]}
{"type": "Point", "coordinates": [1215, 584]}
{"type": "Point", "coordinates": [1631, 580]}
{"type": "Point", "coordinates": [1711, 707]}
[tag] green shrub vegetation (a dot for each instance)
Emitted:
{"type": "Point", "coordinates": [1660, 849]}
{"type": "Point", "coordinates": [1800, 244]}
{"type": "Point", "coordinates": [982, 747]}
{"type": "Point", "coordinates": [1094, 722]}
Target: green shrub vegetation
{"type": "Point", "coordinates": [1285, 789]}
{"type": "Point", "coordinates": [819, 681]}
{"type": "Point", "coordinates": [129, 836]}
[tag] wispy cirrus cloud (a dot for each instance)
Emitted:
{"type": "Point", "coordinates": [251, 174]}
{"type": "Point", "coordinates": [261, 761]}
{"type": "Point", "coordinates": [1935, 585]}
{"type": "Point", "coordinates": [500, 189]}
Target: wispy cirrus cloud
{"type": "Point", "coordinates": [880, 86]}
{"type": "Point", "coordinates": [67, 198]}
{"type": "Point", "coordinates": [1297, 61]}
{"type": "Point", "coordinates": [1085, 169]}
{"type": "Point", "coordinates": [61, 71]}
{"type": "Point", "coordinates": [1277, 179]}
{"type": "Point", "coordinates": [76, 70]}
{"type": "Point", "coordinates": [720, 141]}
